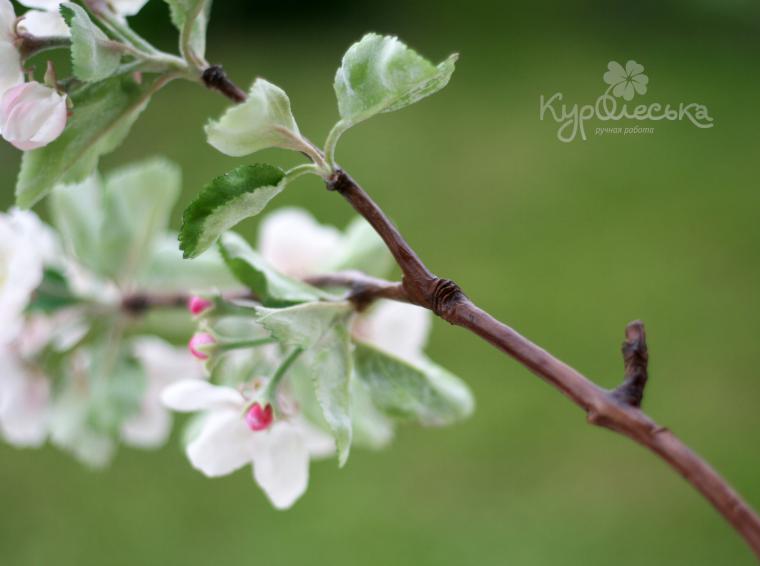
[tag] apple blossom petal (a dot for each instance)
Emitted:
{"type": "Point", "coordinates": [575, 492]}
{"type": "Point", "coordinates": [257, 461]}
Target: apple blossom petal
{"type": "Point", "coordinates": [44, 24]}
{"type": "Point", "coordinates": [32, 115]}
{"type": "Point", "coordinates": [24, 403]}
{"type": "Point", "coordinates": [11, 74]}
{"type": "Point", "coordinates": [191, 395]}
{"type": "Point", "coordinates": [399, 329]}
{"type": "Point", "coordinates": [318, 443]}
{"type": "Point", "coordinates": [7, 21]}
{"type": "Point", "coordinates": [222, 445]}
{"type": "Point", "coordinates": [128, 7]}
{"type": "Point", "coordinates": [165, 363]}
{"type": "Point", "coordinates": [294, 243]}
{"type": "Point", "coordinates": [24, 243]}
{"type": "Point", "coordinates": [148, 429]}
{"type": "Point", "coordinates": [280, 464]}
{"type": "Point", "coordinates": [49, 5]}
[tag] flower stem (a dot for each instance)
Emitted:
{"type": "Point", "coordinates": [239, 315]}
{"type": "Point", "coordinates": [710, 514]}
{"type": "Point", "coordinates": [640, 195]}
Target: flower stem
{"type": "Point", "coordinates": [241, 344]}
{"type": "Point", "coordinates": [270, 393]}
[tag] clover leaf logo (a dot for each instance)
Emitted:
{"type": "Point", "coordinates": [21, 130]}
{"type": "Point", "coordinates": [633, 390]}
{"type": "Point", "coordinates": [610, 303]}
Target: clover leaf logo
{"type": "Point", "coordinates": [628, 81]}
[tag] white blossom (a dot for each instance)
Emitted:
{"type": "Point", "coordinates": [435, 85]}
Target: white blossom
{"type": "Point", "coordinates": [43, 24]}
{"type": "Point", "coordinates": [280, 454]}
{"type": "Point", "coordinates": [293, 242]}
{"type": "Point", "coordinates": [24, 401]}
{"type": "Point", "coordinates": [26, 244]}
{"type": "Point", "coordinates": [122, 7]}
{"type": "Point", "coordinates": [163, 364]}
{"type": "Point", "coordinates": [11, 73]}
{"type": "Point", "coordinates": [32, 115]}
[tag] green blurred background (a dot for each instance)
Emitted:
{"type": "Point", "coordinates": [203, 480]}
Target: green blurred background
{"type": "Point", "coordinates": [566, 242]}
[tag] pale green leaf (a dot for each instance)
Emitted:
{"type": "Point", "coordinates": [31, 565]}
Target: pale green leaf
{"type": "Point", "coordinates": [166, 270]}
{"type": "Point", "coordinates": [270, 286]}
{"type": "Point", "coordinates": [77, 212]}
{"type": "Point", "coordinates": [303, 325]}
{"type": "Point", "coordinates": [321, 329]}
{"type": "Point", "coordinates": [225, 201]}
{"type": "Point", "coordinates": [138, 202]}
{"type": "Point", "coordinates": [264, 120]}
{"type": "Point", "coordinates": [103, 114]}
{"type": "Point", "coordinates": [191, 18]}
{"type": "Point", "coordinates": [381, 74]}
{"type": "Point", "coordinates": [422, 392]}
{"type": "Point", "coordinates": [94, 56]}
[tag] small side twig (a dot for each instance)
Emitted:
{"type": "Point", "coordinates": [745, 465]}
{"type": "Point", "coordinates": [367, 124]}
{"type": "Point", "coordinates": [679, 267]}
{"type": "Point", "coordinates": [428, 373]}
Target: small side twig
{"type": "Point", "coordinates": [362, 289]}
{"type": "Point", "coordinates": [636, 358]}
{"type": "Point", "coordinates": [215, 78]}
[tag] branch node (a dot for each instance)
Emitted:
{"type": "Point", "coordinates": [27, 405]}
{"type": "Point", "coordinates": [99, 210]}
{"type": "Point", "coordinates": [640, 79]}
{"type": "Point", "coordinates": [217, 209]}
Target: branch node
{"type": "Point", "coordinates": [215, 78]}
{"type": "Point", "coordinates": [339, 181]}
{"type": "Point", "coordinates": [445, 295]}
{"type": "Point", "coordinates": [636, 359]}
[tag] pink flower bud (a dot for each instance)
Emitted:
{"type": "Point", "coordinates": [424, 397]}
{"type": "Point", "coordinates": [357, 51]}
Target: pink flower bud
{"type": "Point", "coordinates": [198, 340]}
{"type": "Point", "coordinates": [259, 419]}
{"type": "Point", "coordinates": [196, 305]}
{"type": "Point", "coordinates": [32, 115]}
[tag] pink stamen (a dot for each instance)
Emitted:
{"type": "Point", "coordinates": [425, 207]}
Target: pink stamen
{"type": "Point", "coordinates": [198, 340]}
{"type": "Point", "coordinates": [196, 305]}
{"type": "Point", "coordinates": [259, 419]}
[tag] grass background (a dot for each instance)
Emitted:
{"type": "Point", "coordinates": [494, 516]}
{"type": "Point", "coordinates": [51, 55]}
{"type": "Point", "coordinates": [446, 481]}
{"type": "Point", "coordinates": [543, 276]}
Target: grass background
{"type": "Point", "coordinates": [566, 242]}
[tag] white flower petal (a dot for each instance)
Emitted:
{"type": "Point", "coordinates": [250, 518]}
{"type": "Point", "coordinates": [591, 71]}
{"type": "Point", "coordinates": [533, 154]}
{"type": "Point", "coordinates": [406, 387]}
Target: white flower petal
{"type": "Point", "coordinates": [25, 243]}
{"type": "Point", "coordinates": [49, 5]}
{"type": "Point", "coordinates": [163, 364]}
{"type": "Point", "coordinates": [222, 445]}
{"type": "Point", "coordinates": [148, 429]}
{"type": "Point", "coordinates": [294, 242]}
{"type": "Point", "coordinates": [10, 67]}
{"type": "Point", "coordinates": [281, 464]}
{"type": "Point", "coordinates": [128, 7]}
{"type": "Point", "coordinates": [318, 443]}
{"type": "Point", "coordinates": [396, 328]}
{"type": "Point", "coordinates": [32, 115]}
{"type": "Point", "coordinates": [44, 24]}
{"type": "Point", "coordinates": [194, 395]}
{"type": "Point", "coordinates": [7, 21]}
{"type": "Point", "coordinates": [24, 404]}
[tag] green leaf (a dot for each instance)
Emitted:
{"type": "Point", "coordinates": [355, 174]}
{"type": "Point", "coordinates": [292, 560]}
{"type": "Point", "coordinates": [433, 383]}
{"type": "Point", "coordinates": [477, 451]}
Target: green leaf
{"type": "Point", "coordinates": [225, 201]}
{"type": "Point", "coordinates": [94, 57]}
{"type": "Point", "coordinates": [191, 18]}
{"type": "Point", "coordinates": [271, 287]}
{"type": "Point", "coordinates": [166, 270]}
{"type": "Point", "coordinates": [381, 74]}
{"type": "Point", "coordinates": [77, 212]}
{"type": "Point", "coordinates": [138, 202]}
{"type": "Point", "coordinates": [103, 114]}
{"type": "Point", "coordinates": [264, 120]}
{"type": "Point", "coordinates": [360, 249]}
{"type": "Point", "coordinates": [321, 329]}
{"type": "Point", "coordinates": [423, 392]}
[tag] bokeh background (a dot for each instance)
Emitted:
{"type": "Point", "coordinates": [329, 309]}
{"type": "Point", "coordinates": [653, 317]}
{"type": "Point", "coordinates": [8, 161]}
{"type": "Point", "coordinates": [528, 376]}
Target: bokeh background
{"type": "Point", "coordinates": [566, 242]}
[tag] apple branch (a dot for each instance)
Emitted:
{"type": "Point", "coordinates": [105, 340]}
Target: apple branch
{"type": "Point", "coordinates": [617, 410]}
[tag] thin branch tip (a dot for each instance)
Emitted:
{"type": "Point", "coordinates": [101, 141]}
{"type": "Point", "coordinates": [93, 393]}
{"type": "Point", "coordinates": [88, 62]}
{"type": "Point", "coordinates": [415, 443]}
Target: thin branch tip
{"type": "Point", "coordinates": [215, 78]}
{"type": "Point", "coordinates": [636, 360]}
